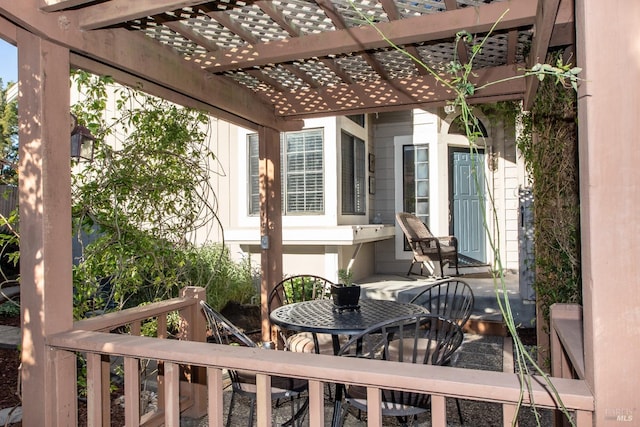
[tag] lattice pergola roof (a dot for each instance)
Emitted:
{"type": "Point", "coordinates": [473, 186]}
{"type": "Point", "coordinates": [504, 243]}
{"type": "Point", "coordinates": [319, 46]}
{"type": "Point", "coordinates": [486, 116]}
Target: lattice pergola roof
{"type": "Point", "coordinates": [271, 62]}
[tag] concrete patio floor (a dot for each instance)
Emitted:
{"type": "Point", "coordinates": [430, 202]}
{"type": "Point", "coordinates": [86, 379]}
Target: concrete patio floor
{"type": "Point", "coordinates": [404, 288]}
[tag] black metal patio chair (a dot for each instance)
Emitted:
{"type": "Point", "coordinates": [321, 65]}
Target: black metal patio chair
{"type": "Point", "coordinates": [419, 339]}
{"type": "Point", "coordinates": [452, 299]}
{"type": "Point", "coordinates": [298, 288]}
{"type": "Point", "coordinates": [244, 383]}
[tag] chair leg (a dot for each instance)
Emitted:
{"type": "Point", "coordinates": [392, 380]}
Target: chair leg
{"type": "Point", "coordinates": [459, 412]}
{"type": "Point", "coordinates": [344, 414]}
{"type": "Point", "coordinates": [252, 410]}
{"type": "Point", "coordinates": [411, 267]}
{"type": "Point", "coordinates": [297, 415]}
{"type": "Point", "coordinates": [231, 403]}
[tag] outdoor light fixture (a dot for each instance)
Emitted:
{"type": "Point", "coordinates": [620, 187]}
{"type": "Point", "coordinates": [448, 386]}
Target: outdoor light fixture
{"type": "Point", "coordinates": [81, 141]}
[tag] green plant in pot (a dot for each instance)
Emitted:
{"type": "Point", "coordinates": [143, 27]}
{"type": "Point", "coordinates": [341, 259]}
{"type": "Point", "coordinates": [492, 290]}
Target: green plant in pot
{"type": "Point", "coordinates": [345, 294]}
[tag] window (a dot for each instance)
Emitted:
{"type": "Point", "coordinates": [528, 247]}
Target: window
{"type": "Point", "coordinates": [302, 172]}
{"type": "Point", "coordinates": [353, 175]}
{"type": "Point", "coordinates": [415, 181]}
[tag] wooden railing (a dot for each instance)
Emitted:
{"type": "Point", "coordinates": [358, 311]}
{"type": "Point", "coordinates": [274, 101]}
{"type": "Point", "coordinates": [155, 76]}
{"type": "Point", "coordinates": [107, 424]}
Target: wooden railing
{"type": "Point", "coordinates": [567, 345]}
{"type": "Point", "coordinates": [174, 355]}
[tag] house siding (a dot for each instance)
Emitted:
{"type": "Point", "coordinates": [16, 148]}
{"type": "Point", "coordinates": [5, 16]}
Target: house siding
{"type": "Point", "coordinates": [506, 177]}
{"type": "Point", "coordinates": [385, 127]}
{"type": "Point", "coordinates": [504, 169]}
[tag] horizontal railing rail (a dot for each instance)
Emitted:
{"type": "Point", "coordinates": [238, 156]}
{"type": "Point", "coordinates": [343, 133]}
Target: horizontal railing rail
{"type": "Point", "coordinates": [567, 343]}
{"type": "Point", "coordinates": [440, 382]}
{"type": "Point", "coordinates": [109, 321]}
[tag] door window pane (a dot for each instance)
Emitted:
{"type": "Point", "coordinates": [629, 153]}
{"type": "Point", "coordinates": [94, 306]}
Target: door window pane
{"type": "Point", "coordinates": [415, 162]}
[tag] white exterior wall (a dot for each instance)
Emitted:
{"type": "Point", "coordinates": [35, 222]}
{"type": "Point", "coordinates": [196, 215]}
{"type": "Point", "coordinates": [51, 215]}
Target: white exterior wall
{"type": "Point", "coordinates": [505, 175]}
{"type": "Point", "coordinates": [385, 128]}
{"type": "Point", "coordinates": [324, 243]}
{"type": "Point", "coordinates": [312, 244]}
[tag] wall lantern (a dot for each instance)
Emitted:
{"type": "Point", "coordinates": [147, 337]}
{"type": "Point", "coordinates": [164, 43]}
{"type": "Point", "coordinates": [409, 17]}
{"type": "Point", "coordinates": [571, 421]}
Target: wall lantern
{"type": "Point", "coordinates": [81, 141]}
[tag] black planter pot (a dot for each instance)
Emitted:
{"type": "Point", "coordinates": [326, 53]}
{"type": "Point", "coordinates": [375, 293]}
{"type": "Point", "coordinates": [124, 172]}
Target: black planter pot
{"type": "Point", "coordinates": [345, 297]}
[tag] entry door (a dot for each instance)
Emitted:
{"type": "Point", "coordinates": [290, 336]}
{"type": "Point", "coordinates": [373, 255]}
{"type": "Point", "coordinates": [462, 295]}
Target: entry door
{"type": "Point", "coordinates": [467, 222]}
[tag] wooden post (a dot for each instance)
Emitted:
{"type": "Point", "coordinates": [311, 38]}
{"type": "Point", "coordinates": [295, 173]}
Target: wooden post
{"type": "Point", "coordinates": [196, 323]}
{"type": "Point", "coordinates": [608, 111]}
{"type": "Point", "coordinates": [49, 377]}
{"type": "Point", "coordinates": [270, 220]}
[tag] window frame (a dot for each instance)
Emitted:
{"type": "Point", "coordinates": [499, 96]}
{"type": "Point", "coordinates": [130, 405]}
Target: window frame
{"type": "Point", "coordinates": [287, 168]}
{"type": "Point", "coordinates": [353, 172]}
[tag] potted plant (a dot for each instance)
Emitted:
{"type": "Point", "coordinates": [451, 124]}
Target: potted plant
{"type": "Point", "coordinates": [345, 294]}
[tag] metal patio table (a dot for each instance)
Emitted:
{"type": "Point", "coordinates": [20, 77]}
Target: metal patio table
{"type": "Point", "coordinates": [322, 317]}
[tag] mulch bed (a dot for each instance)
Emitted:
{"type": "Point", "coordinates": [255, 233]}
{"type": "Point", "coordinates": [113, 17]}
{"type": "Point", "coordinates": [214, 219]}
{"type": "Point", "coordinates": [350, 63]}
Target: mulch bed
{"type": "Point", "coordinates": [10, 362]}
{"type": "Point", "coordinates": [528, 336]}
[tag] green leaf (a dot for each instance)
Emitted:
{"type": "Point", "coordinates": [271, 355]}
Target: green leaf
{"type": "Point", "coordinates": [470, 89]}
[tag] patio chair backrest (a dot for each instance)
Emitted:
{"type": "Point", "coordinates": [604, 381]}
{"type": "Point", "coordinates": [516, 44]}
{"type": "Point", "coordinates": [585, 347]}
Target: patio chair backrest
{"type": "Point", "coordinates": [413, 227]}
{"type": "Point", "coordinates": [302, 287]}
{"type": "Point", "coordinates": [418, 338]}
{"type": "Point", "coordinates": [223, 331]}
{"type": "Point", "coordinates": [452, 299]}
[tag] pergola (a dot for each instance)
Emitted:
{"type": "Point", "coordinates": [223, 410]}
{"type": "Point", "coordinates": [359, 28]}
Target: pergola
{"type": "Point", "coordinates": [267, 65]}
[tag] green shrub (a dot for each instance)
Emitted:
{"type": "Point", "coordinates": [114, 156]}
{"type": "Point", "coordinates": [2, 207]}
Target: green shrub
{"type": "Point", "coordinates": [9, 309]}
{"type": "Point", "coordinates": [212, 268]}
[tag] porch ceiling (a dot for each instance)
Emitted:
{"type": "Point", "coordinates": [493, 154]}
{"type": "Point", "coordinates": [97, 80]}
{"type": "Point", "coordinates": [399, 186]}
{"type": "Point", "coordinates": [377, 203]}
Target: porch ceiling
{"type": "Point", "coordinates": [274, 62]}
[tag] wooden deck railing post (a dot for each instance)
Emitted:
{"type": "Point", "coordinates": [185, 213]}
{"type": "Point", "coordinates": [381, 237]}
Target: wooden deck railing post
{"type": "Point", "coordinates": [567, 349]}
{"type": "Point", "coordinates": [196, 331]}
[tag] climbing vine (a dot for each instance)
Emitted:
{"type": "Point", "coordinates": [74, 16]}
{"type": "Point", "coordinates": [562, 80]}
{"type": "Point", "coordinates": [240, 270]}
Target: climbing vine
{"type": "Point", "coordinates": [548, 142]}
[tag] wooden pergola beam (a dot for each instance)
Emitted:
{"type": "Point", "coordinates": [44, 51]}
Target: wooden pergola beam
{"type": "Point", "coordinates": [545, 20]}
{"type": "Point", "coordinates": [444, 25]}
{"type": "Point", "coordinates": [401, 93]}
{"type": "Point", "coordinates": [138, 55]}
{"type": "Point", "coordinates": [115, 12]}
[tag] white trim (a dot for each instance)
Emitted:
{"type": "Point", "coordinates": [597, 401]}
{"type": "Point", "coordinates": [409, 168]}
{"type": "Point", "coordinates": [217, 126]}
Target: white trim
{"type": "Point", "coordinates": [310, 235]}
{"type": "Point", "coordinates": [331, 263]}
{"type": "Point", "coordinates": [398, 143]}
